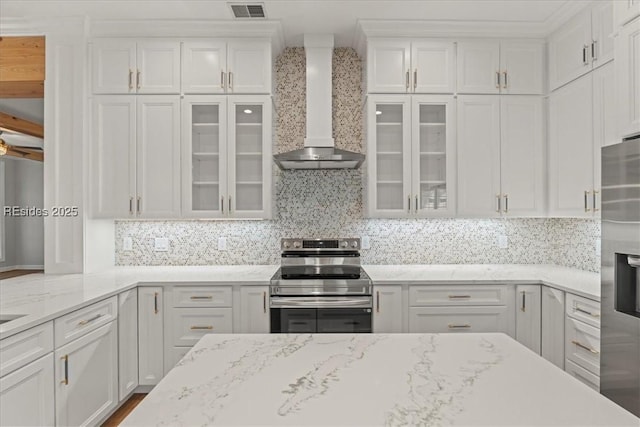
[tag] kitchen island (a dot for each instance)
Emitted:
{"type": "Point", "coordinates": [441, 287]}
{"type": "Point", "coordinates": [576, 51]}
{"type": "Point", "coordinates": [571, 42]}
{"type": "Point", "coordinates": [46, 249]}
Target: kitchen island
{"type": "Point", "coordinates": [371, 379]}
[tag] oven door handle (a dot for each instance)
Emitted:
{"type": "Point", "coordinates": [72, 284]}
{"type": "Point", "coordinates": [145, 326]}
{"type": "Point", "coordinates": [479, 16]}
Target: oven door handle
{"type": "Point", "coordinates": [324, 302]}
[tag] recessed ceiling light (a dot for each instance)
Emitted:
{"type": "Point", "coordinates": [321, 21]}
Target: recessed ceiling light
{"type": "Point", "coordinates": [247, 111]}
{"type": "Point", "coordinates": [378, 112]}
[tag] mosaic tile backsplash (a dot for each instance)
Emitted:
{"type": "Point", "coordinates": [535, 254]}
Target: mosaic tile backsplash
{"type": "Point", "coordinates": [329, 204]}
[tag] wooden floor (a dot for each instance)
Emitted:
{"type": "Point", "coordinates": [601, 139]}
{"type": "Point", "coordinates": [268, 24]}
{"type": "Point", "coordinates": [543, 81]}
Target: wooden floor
{"type": "Point", "coordinates": [16, 273]}
{"type": "Point", "coordinates": [122, 412]}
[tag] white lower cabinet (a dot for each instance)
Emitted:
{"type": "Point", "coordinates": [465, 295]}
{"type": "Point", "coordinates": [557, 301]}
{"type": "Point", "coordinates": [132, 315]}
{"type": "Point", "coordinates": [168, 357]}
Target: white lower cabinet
{"type": "Point", "coordinates": [127, 342]}
{"type": "Point", "coordinates": [150, 335]}
{"type": "Point", "coordinates": [86, 378]}
{"type": "Point", "coordinates": [387, 309]}
{"type": "Point", "coordinates": [582, 375]}
{"type": "Point", "coordinates": [583, 345]}
{"type": "Point", "coordinates": [27, 395]}
{"type": "Point", "coordinates": [254, 310]}
{"type": "Point", "coordinates": [552, 326]}
{"type": "Point", "coordinates": [191, 324]}
{"type": "Point", "coordinates": [528, 316]}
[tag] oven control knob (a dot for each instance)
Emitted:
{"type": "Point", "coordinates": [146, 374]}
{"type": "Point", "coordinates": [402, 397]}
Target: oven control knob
{"type": "Point", "coordinates": [287, 245]}
{"type": "Point", "coordinates": [344, 244]}
{"type": "Point", "coordinates": [354, 244]}
{"type": "Point", "coordinates": [296, 245]}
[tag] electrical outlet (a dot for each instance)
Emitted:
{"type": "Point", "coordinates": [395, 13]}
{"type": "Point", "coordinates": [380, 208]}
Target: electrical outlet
{"type": "Point", "coordinates": [503, 243]}
{"type": "Point", "coordinates": [222, 243]}
{"type": "Point", "coordinates": [365, 242]}
{"type": "Point", "coordinates": [127, 244]}
{"type": "Point", "coordinates": [598, 248]}
{"type": "Point", "coordinates": [161, 244]}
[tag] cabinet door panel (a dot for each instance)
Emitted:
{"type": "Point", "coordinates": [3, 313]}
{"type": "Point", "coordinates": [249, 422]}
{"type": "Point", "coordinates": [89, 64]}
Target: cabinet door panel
{"type": "Point", "coordinates": [87, 378]}
{"type": "Point", "coordinates": [478, 155]}
{"type": "Point", "coordinates": [113, 156]}
{"type": "Point", "coordinates": [522, 155]}
{"type": "Point", "coordinates": [569, 55]}
{"type": "Point", "coordinates": [388, 66]}
{"type": "Point", "coordinates": [522, 68]}
{"type": "Point", "coordinates": [552, 345]}
{"type": "Point", "coordinates": [27, 395]}
{"type": "Point", "coordinates": [602, 33]}
{"type": "Point", "coordinates": [127, 342]}
{"type": "Point", "coordinates": [158, 67]}
{"type": "Point", "coordinates": [249, 66]}
{"type": "Point", "coordinates": [203, 65]}
{"type": "Point", "coordinates": [389, 158]}
{"type": "Point", "coordinates": [627, 66]}
{"type": "Point", "coordinates": [158, 156]}
{"type": "Point", "coordinates": [254, 310]}
{"type": "Point", "coordinates": [478, 65]}
{"type": "Point", "coordinates": [388, 309]}
{"type": "Point", "coordinates": [150, 335]}
{"type": "Point", "coordinates": [571, 149]}
{"type": "Point", "coordinates": [433, 67]}
{"type": "Point", "coordinates": [113, 66]}
{"type": "Point", "coordinates": [528, 316]}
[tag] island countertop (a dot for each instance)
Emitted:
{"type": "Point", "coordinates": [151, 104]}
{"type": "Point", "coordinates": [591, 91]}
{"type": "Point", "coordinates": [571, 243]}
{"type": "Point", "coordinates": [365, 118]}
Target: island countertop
{"type": "Point", "coordinates": [371, 379]}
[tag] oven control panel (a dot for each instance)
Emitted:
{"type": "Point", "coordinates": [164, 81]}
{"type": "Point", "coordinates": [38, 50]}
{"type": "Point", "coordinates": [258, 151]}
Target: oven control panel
{"type": "Point", "coordinates": [350, 244]}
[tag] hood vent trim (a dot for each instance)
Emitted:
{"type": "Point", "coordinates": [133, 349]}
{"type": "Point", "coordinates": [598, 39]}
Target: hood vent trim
{"type": "Point", "coordinates": [319, 150]}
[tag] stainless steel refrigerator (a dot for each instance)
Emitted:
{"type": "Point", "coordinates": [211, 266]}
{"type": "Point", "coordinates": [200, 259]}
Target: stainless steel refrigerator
{"type": "Point", "coordinates": [620, 333]}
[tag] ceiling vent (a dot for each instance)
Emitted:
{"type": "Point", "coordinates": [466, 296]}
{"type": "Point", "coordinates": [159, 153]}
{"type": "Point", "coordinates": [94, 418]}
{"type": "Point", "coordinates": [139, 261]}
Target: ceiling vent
{"type": "Point", "coordinates": [247, 10]}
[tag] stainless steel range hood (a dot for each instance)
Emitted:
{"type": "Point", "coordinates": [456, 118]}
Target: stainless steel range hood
{"type": "Point", "coordinates": [319, 150]}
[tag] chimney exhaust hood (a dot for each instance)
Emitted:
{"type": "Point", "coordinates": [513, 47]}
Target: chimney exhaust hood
{"type": "Point", "coordinates": [319, 150]}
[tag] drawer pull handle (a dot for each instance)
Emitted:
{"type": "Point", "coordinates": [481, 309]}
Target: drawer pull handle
{"type": "Point", "coordinates": [155, 303]}
{"type": "Point", "coordinates": [65, 381]}
{"type": "Point", "coordinates": [459, 296]}
{"type": "Point", "coordinates": [93, 319]}
{"type": "Point", "coordinates": [579, 344]}
{"type": "Point", "coordinates": [197, 328]}
{"type": "Point", "coordinates": [452, 326]}
{"type": "Point", "coordinates": [578, 309]}
{"type": "Point", "coordinates": [524, 302]}
{"type": "Point", "coordinates": [202, 297]}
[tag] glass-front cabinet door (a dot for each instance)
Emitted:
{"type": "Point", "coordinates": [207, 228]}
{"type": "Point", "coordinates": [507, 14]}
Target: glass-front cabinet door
{"type": "Point", "coordinates": [204, 156]}
{"type": "Point", "coordinates": [432, 158]}
{"type": "Point", "coordinates": [388, 156]}
{"type": "Point", "coordinates": [249, 157]}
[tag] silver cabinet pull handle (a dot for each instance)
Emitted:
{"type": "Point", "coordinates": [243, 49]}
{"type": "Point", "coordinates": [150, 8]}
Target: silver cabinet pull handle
{"type": "Point", "coordinates": [155, 303]}
{"type": "Point", "coordinates": [377, 301]}
{"type": "Point", "coordinates": [130, 205]}
{"type": "Point", "coordinates": [589, 349]}
{"type": "Point", "coordinates": [264, 302]}
{"type": "Point", "coordinates": [415, 79]}
{"type": "Point", "coordinates": [139, 205]}
{"type": "Point", "coordinates": [506, 203]}
{"type": "Point", "coordinates": [199, 328]}
{"type": "Point", "coordinates": [93, 319]}
{"type": "Point", "coordinates": [230, 80]}
{"type": "Point", "coordinates": [406, 83]}
{"type": "Point", "coordinates": [594, 50]}
{"type": "Point", "coordinates": [505, 79]}
{"type": "Point", "coordinates": [138, 79]}
{"type": "Point", "coordinates": [499, 203]}
{"type": "Point", "coordinates": [229, 204]}
{"type": "Point", "coordinates": [584, 55]}
{"type": "Point", "coordinates": [459, 296]}
{"type": "Point", "coordinates": [595, 200]}
{"type": "Point", "coordinates": [586, 201]}
{"type": "Point", "coordinates": [465, 326]}
{"type": "Point", "coordinates": [221, 79]}
{"type": "Point", "coordinates": [409, 203]}
{"type": "Point", "coordinates": [65, 381]}
{"type": "Point", "coordinates": [222, 203]}
{"type": "Point", "coordinates": [498, 79]}
{"type": "Point", "coordinates": [197, 297]}
{"type": "Point", "coordinates": [589, 313]}
{"type": "Point", "coordinates": [130, 79]}
{"type": "Point", "coordinates": [523, 307]}
{"type": "Point", "coordinates": [417, 204]}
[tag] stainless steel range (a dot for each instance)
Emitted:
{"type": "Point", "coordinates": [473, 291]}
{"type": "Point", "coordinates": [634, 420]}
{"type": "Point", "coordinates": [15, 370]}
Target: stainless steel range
{"type": "Point", "coordinates": [321, 287]}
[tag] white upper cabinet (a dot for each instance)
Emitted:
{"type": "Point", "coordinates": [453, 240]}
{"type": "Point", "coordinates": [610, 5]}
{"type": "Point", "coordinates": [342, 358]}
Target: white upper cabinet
{"type": "Point", "coordinates": [204, 66]}
{"type": "Point", "coordinates": [479, 155]}
{"type": "Point", "coordinates": [433, 65]}
{"type": "Point", "coordinates": [478, 67]}
{"type": "Point", "coordinates": [125, 66]}
{"type": "Point", "coordinates": [249, 66]}
{"type": "Point", "coordinates": [627, 65]}
{"type": "Point", "coordinates": [581, 44]}
{"type": "Point", "coordinates": [388, 66]}
{"type": "Point", "coordinates": [625, 11]}
{"type": "Point", "coordinates": [521, 68]}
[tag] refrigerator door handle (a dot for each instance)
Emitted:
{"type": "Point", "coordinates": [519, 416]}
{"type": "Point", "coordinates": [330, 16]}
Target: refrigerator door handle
{"type": "Point", "coordinates": [634, 261]}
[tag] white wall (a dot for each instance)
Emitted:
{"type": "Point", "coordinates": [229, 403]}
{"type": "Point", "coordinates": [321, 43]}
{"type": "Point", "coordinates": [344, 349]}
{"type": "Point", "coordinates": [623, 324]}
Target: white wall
{"type": "Point", "coordinates": [24, 236]}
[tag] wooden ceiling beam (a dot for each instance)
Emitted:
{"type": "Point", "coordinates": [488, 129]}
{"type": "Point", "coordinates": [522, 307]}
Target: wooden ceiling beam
{"type": "Point", "coordinates": [25, 153]}
{"type": "Point", "coordinates": [22, 67]}
{"type": "Point", "coordinates": [16, 124]}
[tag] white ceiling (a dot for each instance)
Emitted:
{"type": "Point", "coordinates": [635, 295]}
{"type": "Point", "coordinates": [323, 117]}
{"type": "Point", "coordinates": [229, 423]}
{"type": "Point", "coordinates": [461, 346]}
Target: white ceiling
{"type": "Point", "coordinates": [300, 16]}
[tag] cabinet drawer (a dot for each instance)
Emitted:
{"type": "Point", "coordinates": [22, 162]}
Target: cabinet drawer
{"type": "Point", "coordinates": [76, 324]}
{"type": "Point", "coordinates": [202, 296]}
{"type": "Point", "coordinates": [583, 375]}
{"type": "Point", "coordinates": [458, 319]}
{"type": "Point", "coordinates": [190, 324]}
{"type": "Point", "coordinates": [457, 295]}
{"type": "Point", "coordinates": [582, 345]}
{"type": "Point", "coordinates": [25, 347]}
{"type": "Point", "coordinates": [583, 309]}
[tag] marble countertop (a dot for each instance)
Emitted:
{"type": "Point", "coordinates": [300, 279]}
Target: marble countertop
{"type": "Point", "coordinates": [42, 297]}
{"type": "Point", "coordinates": [371, 379]}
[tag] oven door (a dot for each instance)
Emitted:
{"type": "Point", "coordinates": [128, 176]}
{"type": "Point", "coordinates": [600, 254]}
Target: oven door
{"type": "Point", "coordinates": [321, 314]}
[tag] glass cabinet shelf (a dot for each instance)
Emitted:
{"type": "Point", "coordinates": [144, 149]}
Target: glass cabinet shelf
{"type": "Point", "coordinates": [249, 154]}
{"type": "Point", "coordinates": [433, 124]}
{"type": "Point", "coordinates": [205, 182]}
{"type": "Point", "coordinates": [389, 124]}
{"type": "Point", "coordinates": [198, 125]}
{"type": "Point", "coordinates": [433, 153]}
